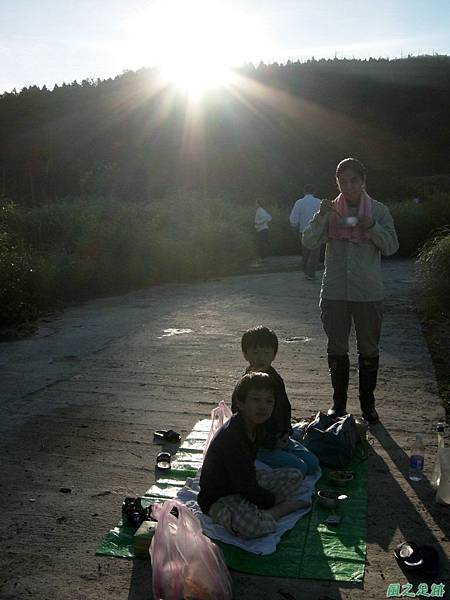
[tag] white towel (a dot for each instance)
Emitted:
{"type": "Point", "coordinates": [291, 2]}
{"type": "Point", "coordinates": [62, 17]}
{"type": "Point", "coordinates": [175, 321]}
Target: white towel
{"type": "Point", "coordinates": [263, 545]}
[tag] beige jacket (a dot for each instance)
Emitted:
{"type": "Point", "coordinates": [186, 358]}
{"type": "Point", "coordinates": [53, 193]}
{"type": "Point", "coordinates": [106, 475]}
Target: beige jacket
{"type": "Point", "coordinates": [353, 271]}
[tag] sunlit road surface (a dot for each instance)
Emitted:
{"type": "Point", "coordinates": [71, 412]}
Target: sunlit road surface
{"type": "Point", "coordinates": [81, 398]}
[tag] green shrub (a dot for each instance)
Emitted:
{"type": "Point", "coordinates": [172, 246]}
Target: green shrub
{"type": "Point", "coordinates": [79, 249]}
{"type": "Point", "coordinates": [284, 239]}
{"type": "Point", "coordinates": [82, 248]}
{"type": "Point", "coordinates": [193, 238]}
{"type": "Point", "coordinates": [24, 283]}
{"type": "Point", "coordinates": [415, 223]}
{"type": "Point", "coordinates": [433, 270]}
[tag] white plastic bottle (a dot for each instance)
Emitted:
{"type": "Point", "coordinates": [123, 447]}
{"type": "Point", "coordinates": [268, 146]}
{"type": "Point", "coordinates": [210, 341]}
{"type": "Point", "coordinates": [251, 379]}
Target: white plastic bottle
{"type": "Point", "coordinates": [436, 475]}
{"type": "Point", "coordinates": [416, 459]}
{"type": "Point", "coordinates": [443, 491]}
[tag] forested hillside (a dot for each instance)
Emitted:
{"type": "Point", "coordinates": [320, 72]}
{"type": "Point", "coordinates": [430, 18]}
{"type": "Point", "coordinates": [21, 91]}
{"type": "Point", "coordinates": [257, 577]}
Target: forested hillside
{"type": "Point", "coordinates": [276, 128]}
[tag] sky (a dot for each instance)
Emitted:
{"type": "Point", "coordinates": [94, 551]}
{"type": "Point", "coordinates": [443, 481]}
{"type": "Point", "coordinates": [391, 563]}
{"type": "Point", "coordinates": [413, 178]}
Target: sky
{"type": "Point", "coordinates": [48, 42]}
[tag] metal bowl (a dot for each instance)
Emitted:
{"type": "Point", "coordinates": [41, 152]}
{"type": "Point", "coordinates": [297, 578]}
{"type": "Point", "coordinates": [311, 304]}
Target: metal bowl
{"type": "Point", "coordinates": [340, 478]}
{"type": "Point", "coordinates": [327, 498]}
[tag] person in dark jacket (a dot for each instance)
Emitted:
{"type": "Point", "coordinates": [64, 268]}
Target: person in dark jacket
{"type": "Point", "coordinates": [247, 502]}
{"type": "Point", "coordinates": [259, 347]}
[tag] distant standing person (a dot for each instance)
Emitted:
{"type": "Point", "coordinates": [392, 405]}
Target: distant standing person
{"type": "Point", "coordinates": [262, 220]}
{"type": "Point", "coordinates": [302, 212]}
{"type": "Point", "coordinates": [357, 231]}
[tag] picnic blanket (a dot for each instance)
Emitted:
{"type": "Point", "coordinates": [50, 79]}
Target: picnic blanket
{"type": "Point", "coordinates": [261, 545]}
{"type": "Point", "coordinates": [310, 550]}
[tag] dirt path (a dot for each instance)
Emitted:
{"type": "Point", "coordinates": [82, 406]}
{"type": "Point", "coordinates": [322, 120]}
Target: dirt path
{"type": "Point", "coordinates": [80, 399]}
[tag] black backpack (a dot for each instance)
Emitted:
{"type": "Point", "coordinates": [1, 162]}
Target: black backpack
{"type": "Point", "coordinates": [333, 441]}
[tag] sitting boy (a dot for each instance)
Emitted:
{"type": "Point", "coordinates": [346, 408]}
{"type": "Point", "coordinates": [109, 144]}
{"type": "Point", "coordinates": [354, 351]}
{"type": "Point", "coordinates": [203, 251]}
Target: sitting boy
{"type": "Point", "coordinates": [259, 347]}
{"type": "Point", "coordinates": [248, 503]}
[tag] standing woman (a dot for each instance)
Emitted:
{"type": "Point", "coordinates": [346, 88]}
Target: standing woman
{"type": "Point", "coordinates": [357, 230]}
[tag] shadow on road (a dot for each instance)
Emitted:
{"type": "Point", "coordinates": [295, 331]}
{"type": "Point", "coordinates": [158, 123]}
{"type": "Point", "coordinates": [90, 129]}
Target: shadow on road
{"type": "Point", "coordinates": [392, 510]}
{"type": "Point", "coordinates": [141, 580]}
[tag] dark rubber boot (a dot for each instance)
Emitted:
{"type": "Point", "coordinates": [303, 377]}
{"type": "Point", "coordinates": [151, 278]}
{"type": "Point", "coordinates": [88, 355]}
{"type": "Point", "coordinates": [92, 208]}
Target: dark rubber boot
{"type": "Point", "coordinates": [368, 371]}
{"type": "Point", "coordinates": [339, 366]}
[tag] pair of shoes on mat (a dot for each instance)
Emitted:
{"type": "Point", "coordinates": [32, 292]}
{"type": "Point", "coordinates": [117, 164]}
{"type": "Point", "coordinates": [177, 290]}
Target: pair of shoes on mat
{"type": "Point", "coordinates": [167, 435]}
{"type": "Point", "coordinates": [423, 560]}
{"type": "Point", "coordinates": [134, 514]}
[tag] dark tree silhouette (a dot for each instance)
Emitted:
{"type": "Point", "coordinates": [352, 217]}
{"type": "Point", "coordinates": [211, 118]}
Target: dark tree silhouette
{"type": "Point", "coordinates": [282, 125]}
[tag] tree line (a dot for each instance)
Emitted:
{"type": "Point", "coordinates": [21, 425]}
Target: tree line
{"type": "Point", "coordinates": [274, 129]}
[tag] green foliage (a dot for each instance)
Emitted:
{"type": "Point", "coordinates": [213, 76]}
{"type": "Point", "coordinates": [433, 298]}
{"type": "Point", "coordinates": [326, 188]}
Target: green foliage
{"type": "Point", "coordinates": [284, 239]}
{"type": "Point", "coordinates": [196, 238]}
{"type": "Point", "coordinates": [415, 223]}
{"type": "Point", "coordinates": [23, 279]}
{"type": "Point", "coordinates": [84, 248]}
{"type": "Point", "coordinates": [433, 268]}
{"type": "Point", "coordinates": [81, 249]}
{"type": "Point", "coordinates": [425, 186]}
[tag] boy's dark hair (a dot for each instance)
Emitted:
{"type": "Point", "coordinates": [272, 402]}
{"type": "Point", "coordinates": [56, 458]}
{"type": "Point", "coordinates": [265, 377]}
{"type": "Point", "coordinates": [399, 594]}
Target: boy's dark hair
{"type": "Point", "coordinates": [254, 381]}
{"type": "Point", "coordinates": [259, 336]}
{"type": "Point", "coordinates": [308, 188]}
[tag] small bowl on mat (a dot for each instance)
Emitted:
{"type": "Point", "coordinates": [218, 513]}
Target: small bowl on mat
{"type": "Point", "coordinates": [340, 478]}
{"type": "Point", "coordinates": [329, 498]}
{"type": "Point", "coordinates": [163, 461]}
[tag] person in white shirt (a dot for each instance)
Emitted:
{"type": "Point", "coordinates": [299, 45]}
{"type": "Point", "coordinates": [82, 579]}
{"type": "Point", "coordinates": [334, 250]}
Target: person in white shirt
{"type": "Point", "coordinates": [262, 220]}
{"type": "Point", "coordinates": [302, 213]}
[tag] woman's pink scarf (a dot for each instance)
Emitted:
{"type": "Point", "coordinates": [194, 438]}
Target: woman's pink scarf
{"type": "Point", "coordinates": [339, 210]}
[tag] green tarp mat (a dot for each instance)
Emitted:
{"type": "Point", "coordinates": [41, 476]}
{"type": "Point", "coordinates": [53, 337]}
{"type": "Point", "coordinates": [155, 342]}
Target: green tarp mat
{"type": "Point", "coordinates": [311, 550]}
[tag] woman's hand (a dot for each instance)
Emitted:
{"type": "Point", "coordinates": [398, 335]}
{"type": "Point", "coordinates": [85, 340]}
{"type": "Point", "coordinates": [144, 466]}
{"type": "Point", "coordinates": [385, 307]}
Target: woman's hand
{"type": "Point", "coordinates": [326, 205]}
{"type": "Point", "coordinates": [366, 223]}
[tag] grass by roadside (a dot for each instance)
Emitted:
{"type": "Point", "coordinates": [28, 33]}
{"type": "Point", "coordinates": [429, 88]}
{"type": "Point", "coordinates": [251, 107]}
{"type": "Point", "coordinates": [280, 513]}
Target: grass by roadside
{"type": "Point", "coordinates": [79, 249]}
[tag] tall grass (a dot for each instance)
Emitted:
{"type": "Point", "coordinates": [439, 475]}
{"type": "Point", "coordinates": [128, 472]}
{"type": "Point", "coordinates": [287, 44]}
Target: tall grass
{"type": "Point", "coordinates": [433, 273]}
{"type": "Point", "coordinates": [79, 249]}
{"type": "Point", "coordinates": [284, 240]}
{"type": "Point", "coordinates": [82, 248]}
{"type": "Point", "coordinates": [415, 223]}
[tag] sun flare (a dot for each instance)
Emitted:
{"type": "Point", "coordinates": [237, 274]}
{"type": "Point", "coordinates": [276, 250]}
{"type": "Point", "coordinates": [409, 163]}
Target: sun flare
{"type": "Point", "coordinates": [196, 43]}
{"type": "Point", "coordinates": [197, 76]}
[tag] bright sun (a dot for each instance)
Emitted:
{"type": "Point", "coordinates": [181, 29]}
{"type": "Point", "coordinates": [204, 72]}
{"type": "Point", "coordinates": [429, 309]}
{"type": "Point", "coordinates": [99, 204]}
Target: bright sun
{"type": "Point", "coordinates": [195, 43]}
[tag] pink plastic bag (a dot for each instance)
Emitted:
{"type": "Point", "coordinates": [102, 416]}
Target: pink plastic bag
{"type": "Point", "coordinates": [185, 563]}
{"type": "Point", "coordinates": [219, 416]}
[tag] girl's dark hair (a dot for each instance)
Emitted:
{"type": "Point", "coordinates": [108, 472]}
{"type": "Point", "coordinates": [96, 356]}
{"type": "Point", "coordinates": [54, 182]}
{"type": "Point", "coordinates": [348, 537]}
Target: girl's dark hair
{"type": "Point", "coordinates": [351, 164]}
{"type": "Point", "coordinates": [254, 381]}
{"type": "Point", "coordinates": [259, 336]}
